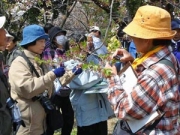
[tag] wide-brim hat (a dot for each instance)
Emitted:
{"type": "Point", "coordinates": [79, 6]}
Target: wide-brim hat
{"type": "Point", "coordinates": [150, 22]}
{"type": "Point", "coordinates": [32, 33]}
{"type": "Point", "coordinates": [2, 21]}
{"type": "Point", "coordinates": [54, 31]}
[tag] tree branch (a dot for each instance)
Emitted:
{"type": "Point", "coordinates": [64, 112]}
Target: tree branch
{"type": "Point", "coordinates": [68, 13]}
{"type": "Point", "coordinates": [110, 21]}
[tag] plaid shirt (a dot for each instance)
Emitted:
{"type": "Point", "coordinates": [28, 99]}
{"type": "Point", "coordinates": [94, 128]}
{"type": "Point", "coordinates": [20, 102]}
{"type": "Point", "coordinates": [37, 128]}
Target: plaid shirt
{"type": "Point", "coordinates": [157, 88]}
{"type": "Point", "coordinates": [47, 44]}
{"type": "Point", "coordinates": [50, 54]}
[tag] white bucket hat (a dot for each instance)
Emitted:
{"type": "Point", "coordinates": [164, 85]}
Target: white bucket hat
{"type": "Point", "coordinates": [2, 21]}
{"type": "Point", "coordinates": [94, 28]}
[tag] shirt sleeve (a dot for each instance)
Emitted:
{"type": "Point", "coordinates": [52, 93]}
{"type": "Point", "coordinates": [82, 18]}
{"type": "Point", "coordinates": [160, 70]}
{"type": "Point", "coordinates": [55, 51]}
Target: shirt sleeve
{"type": "Point", "coordinates": [139, 103]}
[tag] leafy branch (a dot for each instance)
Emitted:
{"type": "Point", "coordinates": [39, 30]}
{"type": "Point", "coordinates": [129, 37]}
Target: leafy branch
{"type": "Point", "coordinates": [81, 50]}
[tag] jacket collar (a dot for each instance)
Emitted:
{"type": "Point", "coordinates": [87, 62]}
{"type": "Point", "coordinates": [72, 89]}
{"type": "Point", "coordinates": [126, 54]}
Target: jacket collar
{"type": "Point", "coordinates": [175, 42]}
{"type": "Point", "coordinates": [156, 57]}
{"type": "Point", "coordinates": [30, 54]}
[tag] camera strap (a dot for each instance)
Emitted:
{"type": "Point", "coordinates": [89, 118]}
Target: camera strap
{"type": "Point", "coordinates": [32, 68]}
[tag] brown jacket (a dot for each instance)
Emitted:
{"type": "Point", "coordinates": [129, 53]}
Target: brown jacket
{"type": "Point", "coordinates": [24, 86]}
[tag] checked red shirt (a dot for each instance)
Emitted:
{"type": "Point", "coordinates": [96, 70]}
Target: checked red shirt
{"type": "Point", "coordinates": [157, 88]}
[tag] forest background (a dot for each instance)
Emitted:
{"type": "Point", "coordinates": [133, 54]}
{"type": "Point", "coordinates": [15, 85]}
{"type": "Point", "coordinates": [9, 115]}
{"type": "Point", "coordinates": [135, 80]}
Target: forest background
{"type": "Point", "coordinates": [76, 16]}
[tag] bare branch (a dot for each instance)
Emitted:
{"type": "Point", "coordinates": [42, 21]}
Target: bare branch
{"type": "Point", "coordinates": [81, 22]}
{"type": "Point", "coordinates": [68, 13]}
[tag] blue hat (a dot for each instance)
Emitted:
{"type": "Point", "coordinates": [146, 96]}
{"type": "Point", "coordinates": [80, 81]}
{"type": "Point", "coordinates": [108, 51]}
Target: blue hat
{"type": "Point", "coordinates": [32, 33]}
{"type": "Point", "coordinates": [175, 24]}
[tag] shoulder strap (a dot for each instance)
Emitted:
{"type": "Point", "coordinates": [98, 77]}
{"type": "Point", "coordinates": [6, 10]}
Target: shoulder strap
{"type": "Point", "coordinates": [167, 62]}
{"type": "Point", "coordinates": [32, 68]}
{"type": "Point", "coordinates": [16, 53]}
{"type": "Point", "coordinates": [149, 128]}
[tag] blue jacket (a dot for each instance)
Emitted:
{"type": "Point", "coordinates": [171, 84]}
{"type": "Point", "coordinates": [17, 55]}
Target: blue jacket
{"type": "Point", "coordinates": [89, 108]}
{"type": "Point", "coordinates": [132, 49]}
{"type": "Point", "coordinates": [97, 43]}
{"type": "Point", "coordinates": [93, 58]}
{"type": "Point", "coordinates": [176, 49]}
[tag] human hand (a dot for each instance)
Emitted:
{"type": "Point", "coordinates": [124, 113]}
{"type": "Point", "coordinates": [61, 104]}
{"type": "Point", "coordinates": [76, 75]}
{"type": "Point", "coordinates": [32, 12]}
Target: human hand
{"type": "Point", "coordinates": [77, 70]}
{"type": "Point", "coordinates": [123, 55]}
{"type": "Point", "coordinates": [90, 47]}
{"type": "Point", "coordinates": [59, 71]}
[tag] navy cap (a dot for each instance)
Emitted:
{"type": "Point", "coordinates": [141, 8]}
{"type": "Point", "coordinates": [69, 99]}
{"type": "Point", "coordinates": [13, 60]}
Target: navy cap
{"type": "Point", "coordinates": [175, 24]}
{"type": "Point", "coordinates": [54, 31]}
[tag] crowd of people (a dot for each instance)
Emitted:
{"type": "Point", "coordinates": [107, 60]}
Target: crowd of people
{"type": "Point", "coordinates": [152, 48]}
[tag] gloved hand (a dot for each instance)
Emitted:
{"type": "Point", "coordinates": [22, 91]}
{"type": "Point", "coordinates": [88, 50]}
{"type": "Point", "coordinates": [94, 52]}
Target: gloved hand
{"type": "Point", "coordinates": [77, 70]}
{"type": "Point", "coordinates": [59, 71]}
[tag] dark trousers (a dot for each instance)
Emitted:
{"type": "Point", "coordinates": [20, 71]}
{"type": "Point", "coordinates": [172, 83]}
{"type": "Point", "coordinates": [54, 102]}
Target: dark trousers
{"type": "Point", "coordinates": [95, 129]}
{"type": "Point", "coordinates": [68, 116]}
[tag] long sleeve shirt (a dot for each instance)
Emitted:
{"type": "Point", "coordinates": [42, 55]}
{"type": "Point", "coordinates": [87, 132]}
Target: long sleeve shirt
{"type": "Point", "coordinates": [56, 55]}
{"type": "Point", "coordinates": [156, 88]}
{"type": "Point", "coordinates": [98, 43]}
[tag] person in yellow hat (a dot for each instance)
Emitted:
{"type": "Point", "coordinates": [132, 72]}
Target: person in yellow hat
{"type": "Point", "coordinates": [157, 74]}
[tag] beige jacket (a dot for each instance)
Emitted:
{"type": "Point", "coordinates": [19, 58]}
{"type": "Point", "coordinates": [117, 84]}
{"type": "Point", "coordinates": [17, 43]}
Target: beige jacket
{"type": "Point", "coordinates": [24, 86]}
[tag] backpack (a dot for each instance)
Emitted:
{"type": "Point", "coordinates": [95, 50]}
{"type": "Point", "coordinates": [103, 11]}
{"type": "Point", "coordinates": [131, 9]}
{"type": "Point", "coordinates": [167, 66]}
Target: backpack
{"type": "Point", "coordinates": [11, 57]}
{"type": "Point", "coordinates": [169, 63]}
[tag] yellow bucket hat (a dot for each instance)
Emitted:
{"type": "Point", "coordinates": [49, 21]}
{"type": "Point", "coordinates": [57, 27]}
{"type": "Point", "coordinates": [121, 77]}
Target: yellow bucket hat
{"type": "Point", "coordinates": [150, 22]}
